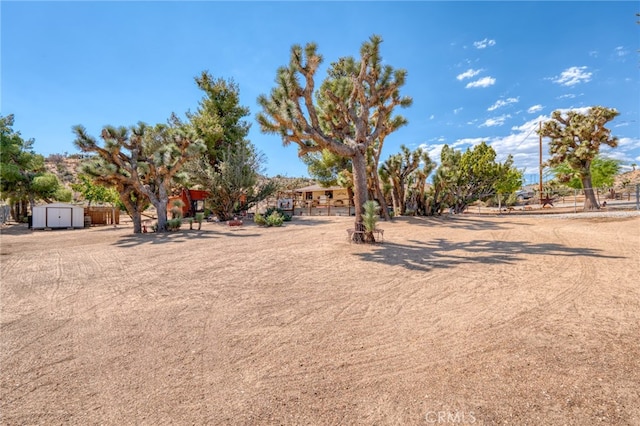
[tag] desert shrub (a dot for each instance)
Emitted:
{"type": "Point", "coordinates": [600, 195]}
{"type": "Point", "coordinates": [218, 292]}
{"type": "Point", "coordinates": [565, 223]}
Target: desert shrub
{"type": "Point", "coordinates": [199, 218]}
{"type": "Point", "coordinates": [176, 209]}
{"type": "Point", "coordinates": [174, 224]}
{"type": "Point", "coordinates": [370, 216]}
{"type": "Point", "coordinates": [270, 211]}
{"type": "Point", "coordinates": [275, 219]}
{"type": "Point", "coordinates": [259, 219]}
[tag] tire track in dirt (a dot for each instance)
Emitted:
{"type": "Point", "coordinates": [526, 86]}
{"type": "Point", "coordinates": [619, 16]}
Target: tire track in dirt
{"type": "Point", "coordinates": [75, 304]}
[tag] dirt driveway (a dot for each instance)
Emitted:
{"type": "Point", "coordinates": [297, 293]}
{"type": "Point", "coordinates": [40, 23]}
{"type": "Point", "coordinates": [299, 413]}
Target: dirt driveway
{"type": "Point", "coordinates": [519, 320]}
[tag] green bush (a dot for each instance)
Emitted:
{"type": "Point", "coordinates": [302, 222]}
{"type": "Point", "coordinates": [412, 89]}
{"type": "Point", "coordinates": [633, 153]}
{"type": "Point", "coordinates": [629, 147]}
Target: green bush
{"type": "Point", "coordinates": [275, 219]}
{"type": "Point", "coordinates": [282, 213]}
{"type": "Point", "coordinates": [370, 216]}
{"type": "Point", "coordinates": [174, 224]}
{"type": "Point", "coordinates": [258, 219]}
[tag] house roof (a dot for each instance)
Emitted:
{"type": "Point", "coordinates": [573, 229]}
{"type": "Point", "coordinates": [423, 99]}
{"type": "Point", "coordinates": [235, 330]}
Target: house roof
{"type": "Point", "coordinates": [317, 187]}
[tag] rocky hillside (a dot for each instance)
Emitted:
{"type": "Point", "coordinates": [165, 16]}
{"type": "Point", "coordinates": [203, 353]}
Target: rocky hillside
{"type": "Point", "coordinates": [65, 167]}
{"type": "Point", "coordinates": [631, 178]}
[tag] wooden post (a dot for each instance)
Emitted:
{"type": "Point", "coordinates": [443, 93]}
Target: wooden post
{"type": "Point", "coordinates": [540, 133]}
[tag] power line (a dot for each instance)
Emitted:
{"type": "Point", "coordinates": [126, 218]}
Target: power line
{"type": "Point", "coordinates": [522, 141]}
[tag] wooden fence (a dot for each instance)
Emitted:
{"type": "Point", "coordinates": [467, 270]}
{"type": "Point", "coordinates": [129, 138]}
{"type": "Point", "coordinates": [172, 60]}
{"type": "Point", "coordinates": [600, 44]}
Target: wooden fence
{"type": "Point", "coordinates": [101, 216]}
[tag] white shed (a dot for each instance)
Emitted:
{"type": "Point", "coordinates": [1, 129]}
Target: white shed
{"type": "Point", "coordinates": [58, 215]}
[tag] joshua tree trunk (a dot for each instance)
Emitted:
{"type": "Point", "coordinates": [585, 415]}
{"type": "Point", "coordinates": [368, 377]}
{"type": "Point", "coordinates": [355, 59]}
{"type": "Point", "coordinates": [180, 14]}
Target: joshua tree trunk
{"type": "Point", "coordinates": [134, 209]}
{"type": "Point", "coordinates": [360, 189]}
{"type": "Point", "coordinates": [590, 202]}
{"type": "Point", "coordinates": [381, 200]}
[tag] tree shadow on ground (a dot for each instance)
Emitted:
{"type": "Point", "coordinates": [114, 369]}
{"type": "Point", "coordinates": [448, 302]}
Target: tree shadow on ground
{"type": "Point", "coordinates": [460, 222]}
{"type": "Point", "coordinates": [135, 240]}
{"type": "Point", "coordinates": [307, 221]}
{"type": "Point", "coordinates": [15, 229]}
{"type": "Point", "coordinates": [441, 253]}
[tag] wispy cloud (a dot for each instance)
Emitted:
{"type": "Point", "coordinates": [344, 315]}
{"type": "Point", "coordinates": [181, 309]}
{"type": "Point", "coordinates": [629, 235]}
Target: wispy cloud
{"type": "Point", "coordinates": [502, 102]}
{"type": "Point", "coordinates": [620, 53]}
{"type": "Point", "coordinates": [468, 74]}
{"type": "Point", "coordinates": [457, 110]}
{"type": "Point", "coordinates": [572, 76]}
{"type": "Point", "coordinates": [483, 82]}
{"type": "Point", "coordinates": [535, 109]}
{"type": "Point", "coordinates": [567, 96]}
{"type": "Point", "coordinates": [483, 44]}
{"type": "Point", "coordinates": [495, 121]}
{"type": "Point", "coordinates": [467, 142]}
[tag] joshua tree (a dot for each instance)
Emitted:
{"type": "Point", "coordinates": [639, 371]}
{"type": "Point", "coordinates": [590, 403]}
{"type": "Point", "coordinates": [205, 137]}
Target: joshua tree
{"type": "Point", "coordinates": [144, 158]}
{"type": "Point", "coordinates": [352, 109]}
{"type": "Point", "coordinates": [576, 140]}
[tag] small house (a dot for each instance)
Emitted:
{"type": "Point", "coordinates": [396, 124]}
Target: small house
{"type": "Point", "coordinates": [317, 195]}
{"type": "Point", "coordinates": [57, 215]}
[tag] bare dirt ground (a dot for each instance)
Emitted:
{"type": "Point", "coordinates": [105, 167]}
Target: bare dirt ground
{"type": "Point", "coordinates": [524, 320]}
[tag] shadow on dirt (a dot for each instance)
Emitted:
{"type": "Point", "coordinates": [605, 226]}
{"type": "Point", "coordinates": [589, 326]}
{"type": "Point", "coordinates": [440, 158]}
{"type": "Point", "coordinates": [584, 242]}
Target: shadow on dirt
{"type": "Point", "coordinates": [308, 221]}
{"type": "Point", "coordinates": [15, 229]}
{"type": "Point", "coordinates": [135, 240]}
{"type": "Point", "coordinates": [441, 253]}
{"type": "Point", "coordinates": [460, 222]}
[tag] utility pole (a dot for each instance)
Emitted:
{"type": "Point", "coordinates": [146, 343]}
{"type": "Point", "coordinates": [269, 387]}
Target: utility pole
{"type": "Point", "coordinates": [540, 133]}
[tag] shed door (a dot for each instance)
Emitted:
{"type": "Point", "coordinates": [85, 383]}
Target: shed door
{"type": "Point", "coordinates": [58, 217]}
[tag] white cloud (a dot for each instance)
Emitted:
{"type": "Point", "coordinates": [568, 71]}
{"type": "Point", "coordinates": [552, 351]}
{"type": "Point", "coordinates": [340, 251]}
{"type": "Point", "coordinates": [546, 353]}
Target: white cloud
{"type": "Point", "coordinates": [433, 150]}
{"type": "Point", "coordinates": [500, 103]}
{"type": "Point", "coordinates": [628, 143]}
{"type": "Point", "coordinates": [483, 82]}
{"type": "Point", "coordinates": [593, 53]}
{"type": "Point", "coordinates": [468, 74]}
{"type": "Point", "coordinates": [535, 109]}
{"type": "Point", "coordinates": [432, 117]}
{"type": "Point", "coordinates": [572, 76]}
{"type": "Point", "coordinates": [567, 96]}
{"type": "Point", "coordinates": [467, 141]}
{"type": "Point", "coordinates": [484, 43]}
{"type": "Point", "coordinates": [620, 51]}
{"type": "Point", "coordinates": [522, 142]}
{"type": "Point", "coordinates": [620, 54]}
{"type": "Point", "coordinates": [457, 110]}
{"type": "Point", "coordinates": [496, 121]}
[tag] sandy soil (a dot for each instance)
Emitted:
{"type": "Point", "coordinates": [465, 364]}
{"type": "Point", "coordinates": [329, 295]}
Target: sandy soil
{"type": "Point", "coordinates": [465, 320]}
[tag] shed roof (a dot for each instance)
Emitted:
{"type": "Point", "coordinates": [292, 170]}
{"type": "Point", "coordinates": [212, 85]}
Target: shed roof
{"type": "Point", "coordinates": [59, 205]}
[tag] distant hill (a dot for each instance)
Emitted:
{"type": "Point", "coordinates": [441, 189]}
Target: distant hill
{"type": "Point", "coordinates": [66, 168]}
{"type": "Point", "coordinates": [628, 178]}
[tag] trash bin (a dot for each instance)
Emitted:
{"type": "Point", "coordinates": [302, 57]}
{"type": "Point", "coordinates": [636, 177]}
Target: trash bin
{"type": "Point", "coordinates": [29, 221]}
{"type": "Point", "coordinates": [87, 221]}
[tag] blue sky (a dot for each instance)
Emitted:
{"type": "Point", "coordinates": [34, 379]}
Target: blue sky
{"type": "Point", "coordinates": [476, 70]}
